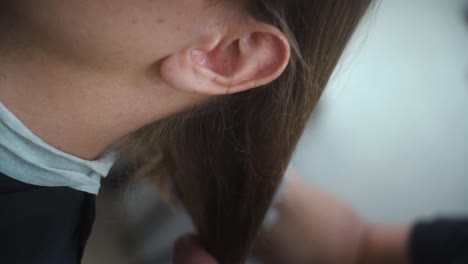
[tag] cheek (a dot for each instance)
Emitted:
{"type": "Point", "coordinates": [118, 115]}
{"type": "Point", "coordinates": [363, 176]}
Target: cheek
{"type": "Point", "coordinates": [80, 31]}
{"type": "Point", "coordinates": [147, 31]}
{"type": "Point", "coordinates": [118, 34]}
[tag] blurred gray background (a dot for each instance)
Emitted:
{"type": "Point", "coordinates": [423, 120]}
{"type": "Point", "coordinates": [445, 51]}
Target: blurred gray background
{"type": "Point", "coordinates": [390, 135]}
{"type": "Point", "coordinates": [391, 132]}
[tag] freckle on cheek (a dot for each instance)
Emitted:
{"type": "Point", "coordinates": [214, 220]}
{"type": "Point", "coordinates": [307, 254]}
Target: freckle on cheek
{"type": "Point", "coordinates": [134, 21]}
{"type": "Point", "coordinates": [160, 20]}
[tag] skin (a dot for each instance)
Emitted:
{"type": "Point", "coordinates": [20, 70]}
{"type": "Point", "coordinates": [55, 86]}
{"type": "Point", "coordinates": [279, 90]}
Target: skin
{"type": "Point", "coordinates": [316, 227]}
{"type": "Point", "coordinates": [188, 251]}
{"type": "Point", "coordinates": [83, 74]}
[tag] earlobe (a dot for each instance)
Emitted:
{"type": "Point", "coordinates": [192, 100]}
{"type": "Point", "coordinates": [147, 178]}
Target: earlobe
{"type": "Point", "coordinates": [229, 62]}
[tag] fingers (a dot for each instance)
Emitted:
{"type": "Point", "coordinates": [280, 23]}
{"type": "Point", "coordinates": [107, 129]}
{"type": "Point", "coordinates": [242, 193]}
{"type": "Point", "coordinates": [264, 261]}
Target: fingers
{"type": "Point", "coordinates": [187, 250]}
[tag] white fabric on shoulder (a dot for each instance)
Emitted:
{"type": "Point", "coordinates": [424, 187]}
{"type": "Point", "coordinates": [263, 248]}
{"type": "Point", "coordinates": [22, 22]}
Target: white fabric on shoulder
{"type": "Point", "coordinates": [27, 158]}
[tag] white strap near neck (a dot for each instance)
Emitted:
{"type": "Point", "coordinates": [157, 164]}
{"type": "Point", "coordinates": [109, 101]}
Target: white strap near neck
{"type": "Point", "coordinates": [27, 158]}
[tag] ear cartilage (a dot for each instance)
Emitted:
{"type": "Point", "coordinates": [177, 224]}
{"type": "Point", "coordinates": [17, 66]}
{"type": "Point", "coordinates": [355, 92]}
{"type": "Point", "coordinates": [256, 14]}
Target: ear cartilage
{"type": "Point", "coordinates": [200, 57]}
{"type": "Point", "coordinates": [244, 43]}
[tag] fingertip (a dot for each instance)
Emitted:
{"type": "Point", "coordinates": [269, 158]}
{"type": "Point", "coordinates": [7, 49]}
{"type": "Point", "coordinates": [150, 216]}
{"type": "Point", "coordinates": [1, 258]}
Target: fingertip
{"type": "Point", "coordinates": [187, 250]}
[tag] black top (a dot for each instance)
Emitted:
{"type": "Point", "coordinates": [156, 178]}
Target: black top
{"type": "Point", "coordinates": [442, 241]}
{"type": "Point", "coordinates": [50, 225]}
{"type": "Point", "coordinates": [43, 225]}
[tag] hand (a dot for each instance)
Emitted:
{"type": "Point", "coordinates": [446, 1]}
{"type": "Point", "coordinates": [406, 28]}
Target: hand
{"type": "Point", "coordinates": [187, 250]}
{"type": "Point", "coordinates": [313, 226]}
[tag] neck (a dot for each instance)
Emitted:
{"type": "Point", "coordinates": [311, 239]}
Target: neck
{"type": "Point", "coordinates": [77, 110]}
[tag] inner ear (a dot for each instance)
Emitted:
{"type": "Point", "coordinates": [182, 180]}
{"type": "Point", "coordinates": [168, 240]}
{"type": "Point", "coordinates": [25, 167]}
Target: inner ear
{"type": "Point", "coordinates": [222, 60]}
{"type": "Point", "coordinates": [229, 62]}
{"type": "Point", "coordinates": [263, 57]}
{"type": "Point", "coordinates": [255, 58]}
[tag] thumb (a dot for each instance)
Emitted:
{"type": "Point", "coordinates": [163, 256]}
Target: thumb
{"type": "Point", "coordinates": [187, 250]}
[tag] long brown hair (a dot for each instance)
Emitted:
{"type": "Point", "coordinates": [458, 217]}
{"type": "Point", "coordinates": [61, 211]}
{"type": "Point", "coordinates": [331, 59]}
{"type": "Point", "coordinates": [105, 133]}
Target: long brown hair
{"type": "Point", "coordinates": [226, 157]}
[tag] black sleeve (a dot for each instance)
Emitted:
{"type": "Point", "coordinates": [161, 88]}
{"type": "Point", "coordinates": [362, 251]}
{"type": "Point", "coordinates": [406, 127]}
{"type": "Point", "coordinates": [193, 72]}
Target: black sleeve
{"type": "Point", "coordinates": [43, 225]}
{"type": "Point", "coordinates": [443, 241]}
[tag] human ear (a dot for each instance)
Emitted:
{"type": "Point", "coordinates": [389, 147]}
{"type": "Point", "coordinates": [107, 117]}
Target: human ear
{"type": "Point", "coordinates": [229, 61]}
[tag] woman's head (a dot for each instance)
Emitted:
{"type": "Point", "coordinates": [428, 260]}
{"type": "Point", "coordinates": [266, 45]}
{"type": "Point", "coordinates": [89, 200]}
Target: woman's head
{"type": "Point", "coordinates": [226, 157]}
{"type": "Point", "coordinates": [195, 47]}
{"type": "Point", "coordinates": [228, 122]}
{"type": "Point", "coordinates": [116, 66]}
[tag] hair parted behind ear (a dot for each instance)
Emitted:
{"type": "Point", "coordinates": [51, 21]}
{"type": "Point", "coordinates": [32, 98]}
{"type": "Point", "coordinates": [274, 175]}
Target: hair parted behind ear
{"type": "Point", "coordinates": [226, 157]}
